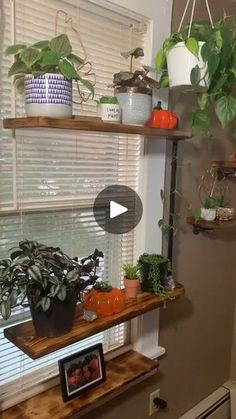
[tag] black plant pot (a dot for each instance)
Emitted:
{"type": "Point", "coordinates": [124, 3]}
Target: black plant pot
{"type": "Point", "coordinates": [57, 320]}
{"type": "Point", "coordinates": [146, 282]}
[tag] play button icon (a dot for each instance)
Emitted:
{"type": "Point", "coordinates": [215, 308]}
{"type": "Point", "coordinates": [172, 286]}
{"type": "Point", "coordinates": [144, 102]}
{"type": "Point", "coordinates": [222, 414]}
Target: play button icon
{"type": "Point", "coordinates": [117, 209]}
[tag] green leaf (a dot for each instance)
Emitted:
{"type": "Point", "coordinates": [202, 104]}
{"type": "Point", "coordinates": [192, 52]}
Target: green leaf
{"type": "Point", "coordinates": [14, 49]}
{"type": "Point", "coordinates": [218, 39]}
{"type": "Point", "coordinates": [160, 59]}
{"type": "Point", "coordinates": [35, 273]}
{"type": "Point", "coordinates": [205, 51]}
{"type": "Point", "coordinates": [41, 44]}
{"type": "Point", "coordinates": [73, 276]}
{"type": "Point", "coordinates": [17, 68]}
{"type": "Point", "coordinates": [45, 303]}
{"type": "Point", "coordinates": [13, 297]}
{"type": "Point", "coordinates": [195, 76]}
{"type": "Point", "coordinates": [54, 289]}
{"type": "Point", "coordinates": [135, 52]}
{"type": "Point", "coordinates": [88, 85]}
{"type": "Point", "coordinates": [200, 122]}
{"type": "Point", "coordinates": [162, 195]}
{"type": "Point", "coordinates": [164, 81]}
{"type": "Point", "coordinates": [61, 295]}
{"type": "Point", "coordinates": [212, 64]}
{"type": "Point", "coordinates": [50, 58]}
{"type": "Point", "coordinates": [226, 109]}
{"type": "Point", "coordinates": [30, 56]}
{"type": "Point", "coordinates": [61, 45]}
{"type": "Point", "coordinates": [5, 309]}
{"type": "Point", "coordinates": [197, 214]}
{"type": "Point", "coordinates": [67, 69]}
{"type": "Point", "coordinates": [75, 59]}
{"type": "Point", "coordinates": [192, 45]}
{"type": "Point", "coordinates": [203, 101]}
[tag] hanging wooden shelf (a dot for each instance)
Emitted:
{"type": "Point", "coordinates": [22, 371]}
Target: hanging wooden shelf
{"type": "Point", "coordinates": [23, 335]}
{"type": "Point", "coordinates": [203, 225]}
{"type": "Point", "coordinates": [93, 125]}
{"type": "Point", "coordinates": [224, 164]}
{"type": "Point", "coordinates": [122, 372]}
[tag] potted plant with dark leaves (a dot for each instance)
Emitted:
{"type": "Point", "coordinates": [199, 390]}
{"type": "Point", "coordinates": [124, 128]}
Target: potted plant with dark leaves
{"type": "Point", "coordinates": [108, 109]}
{"type": "Point", "coordinates": [133, 90]}
{"type": "Point", "coordinates": [44, 71]}
{"type": "Point", "coordinates": [49, 280]}
{"type": "Point", "coordinates": [153, 271]}
{"type": "Point", "coordinates": [131, 280]}
{"type": "Point", "coordinates": [203, 60]}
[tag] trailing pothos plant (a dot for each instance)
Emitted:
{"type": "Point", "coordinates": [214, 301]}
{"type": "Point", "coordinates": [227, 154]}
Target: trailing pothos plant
{"type": "Point", "coordinates": [42, 274]}
{"type": "Point", "coordinates": [137, 78]}
{"type": "Point", "coordinates": [219, 54]}
{"type": "Point", "coordinates": [47, 56]}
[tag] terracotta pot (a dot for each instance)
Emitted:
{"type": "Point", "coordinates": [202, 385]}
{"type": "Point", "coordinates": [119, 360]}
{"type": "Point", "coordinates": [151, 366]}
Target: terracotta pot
{"type": "Point", "coordinates": [132, 287]}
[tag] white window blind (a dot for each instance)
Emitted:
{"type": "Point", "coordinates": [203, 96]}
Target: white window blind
{"type": "Point", "coordinates": [49, 178]}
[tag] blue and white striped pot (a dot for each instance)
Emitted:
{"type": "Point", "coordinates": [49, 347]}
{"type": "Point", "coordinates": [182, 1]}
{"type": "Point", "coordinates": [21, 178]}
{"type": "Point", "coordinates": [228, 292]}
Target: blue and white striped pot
{"type": "Point", "coordinates": [48, 95]}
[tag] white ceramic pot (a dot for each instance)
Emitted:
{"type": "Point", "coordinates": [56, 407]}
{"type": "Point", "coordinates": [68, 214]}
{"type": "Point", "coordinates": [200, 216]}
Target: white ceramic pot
{"type": "Point", "coordinates": [136, 104]}
{"type": "Point", "coordinates": [109, 112]}
{"type": "Point", "coordinates": [180, 62]}
{"type": "Point", "coordinates": [208, 214]}
{"type": "Point", "coordinates": [48, 95]}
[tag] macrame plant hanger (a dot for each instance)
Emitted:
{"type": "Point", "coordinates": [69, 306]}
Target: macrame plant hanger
{"type": "Point", "coordinates": [192, 14]}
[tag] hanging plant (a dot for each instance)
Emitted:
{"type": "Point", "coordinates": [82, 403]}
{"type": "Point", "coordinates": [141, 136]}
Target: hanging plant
{"type": "Point", "coordinates": [213, 44]}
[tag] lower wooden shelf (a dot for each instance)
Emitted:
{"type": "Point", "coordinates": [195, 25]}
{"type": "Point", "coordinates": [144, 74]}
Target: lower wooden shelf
{"type": "Point", "coordinates": [23, 334]}
{"type": "Point", "coordinates": [121, 372]}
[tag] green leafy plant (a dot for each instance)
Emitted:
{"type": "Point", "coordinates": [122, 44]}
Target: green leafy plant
{"type": "Point", "coordinates": [138, 78]}
{"type": "Point", "coordinates": [130, 271]}
{"type": "Point", "coordinates": [47, 56]}
{"type": "Point", "coordinates": [149, 265]}
{"type": "Point", "coordinates": [219, 54]}
{"type": "Point", "coordinates": [108, 100]}
{"type": "Point", "coordinates": [42, 274]}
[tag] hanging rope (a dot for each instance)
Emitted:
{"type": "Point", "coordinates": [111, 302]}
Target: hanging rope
{"type": "Point", "coordinates": [192, 14]}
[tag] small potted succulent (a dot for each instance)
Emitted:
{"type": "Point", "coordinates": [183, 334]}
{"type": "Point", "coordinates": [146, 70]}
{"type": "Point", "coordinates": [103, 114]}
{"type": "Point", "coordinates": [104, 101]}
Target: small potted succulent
{"type": "Point", "coordinates": [131, 280]}
{"type": "Point", "coordinates": [108, 109]}
{"type": "Point", "coordinates": [202, 58]}
{"type": "Point", "coordinates": [208, 211]}
{"type": "Point", "coordinates": [133, 90]}
{"type": "Point", "coordinates": [44, 71]}
{"type": "Point", "coordinates": [153, 271]}
{"type": "Point", "coordinates": [50, 280]}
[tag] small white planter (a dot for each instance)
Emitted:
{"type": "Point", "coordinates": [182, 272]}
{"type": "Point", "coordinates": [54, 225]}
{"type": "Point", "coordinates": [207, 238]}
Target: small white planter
{"type": "Point", "coordinates": [109, 112]}
{"type": "Point", "coordinates": [208, 214]}
{"type": "Point", "coordinates": [48, 95]}
{"type": "Point", "coordinates": [136, 105]}
{"type": "Point", "coordinates": [180, 62]}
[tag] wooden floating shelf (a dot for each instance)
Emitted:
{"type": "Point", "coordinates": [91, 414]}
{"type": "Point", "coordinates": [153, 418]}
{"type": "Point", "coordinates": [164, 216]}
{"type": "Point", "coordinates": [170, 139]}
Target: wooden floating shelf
{"type": "Point", "coordinates": [227, 164]}
{"type": "Point", "coordinates": [23, 335]}
{"type": "Point", "coordinates": [87, 125]}
{"type": "Point", "coordinates": [121, 371]}
{"type": "Point", "coordinates": [211, 225]}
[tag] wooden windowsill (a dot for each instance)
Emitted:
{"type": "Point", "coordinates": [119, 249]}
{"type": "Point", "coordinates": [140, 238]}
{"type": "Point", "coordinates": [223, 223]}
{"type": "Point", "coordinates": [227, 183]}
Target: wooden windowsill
{"type": "Point", "coordinates": [121, 372]}
{"type": "Point", "coordinates": [86, 125]}
{"type": "Point", "coordinates": [23, 334]}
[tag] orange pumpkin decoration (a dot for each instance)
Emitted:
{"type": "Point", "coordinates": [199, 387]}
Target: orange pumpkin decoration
{"type": "Point", "coordinates": [161, 118]}
{"type": "Point", "coordinates": [104, 300]}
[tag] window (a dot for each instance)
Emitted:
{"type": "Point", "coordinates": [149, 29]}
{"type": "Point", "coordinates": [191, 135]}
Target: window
{"type": "Point", "coordinates": [49, 178]}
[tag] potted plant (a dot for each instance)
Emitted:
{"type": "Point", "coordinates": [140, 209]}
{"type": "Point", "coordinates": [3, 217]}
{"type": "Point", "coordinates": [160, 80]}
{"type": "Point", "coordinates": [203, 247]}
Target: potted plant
{"type": "Point", "coordinates": [51, 282]}
{"type": "Point", "coordinates": [108, 109]}
{"type": "Point", "coordinates": [202, 59]}
{"type": "Point", "coordinates": [153, 270]}
{"type": "Point", "coordinates": [133, 90]}
{"type": "Point", "coordinates": [131, 280]}
{"type": "Point", "coordinates": [44, 71]}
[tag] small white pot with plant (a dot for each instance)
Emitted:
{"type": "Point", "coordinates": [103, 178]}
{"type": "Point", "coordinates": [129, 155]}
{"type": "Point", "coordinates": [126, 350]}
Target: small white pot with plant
{"type": "Point", "coordinates": [108, 109]}
{"type": "Point", "coordinates": [44, 72]}
{"type": "Point", "coordinates": [133, 90]}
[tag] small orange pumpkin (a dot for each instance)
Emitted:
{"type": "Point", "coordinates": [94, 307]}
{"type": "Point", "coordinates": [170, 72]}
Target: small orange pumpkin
{"type": "Point", "coordinates": [104, 300]}
{"type": "Point", "coordinates": [161, 118]}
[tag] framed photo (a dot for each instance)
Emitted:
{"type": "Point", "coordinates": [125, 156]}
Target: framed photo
{"type": "Point", "coordinates": [82, 371]}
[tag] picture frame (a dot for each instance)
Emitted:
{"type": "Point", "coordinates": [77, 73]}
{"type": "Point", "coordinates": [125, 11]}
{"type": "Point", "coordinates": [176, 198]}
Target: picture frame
{"type": "Point", "coordinates": [81, 371]}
